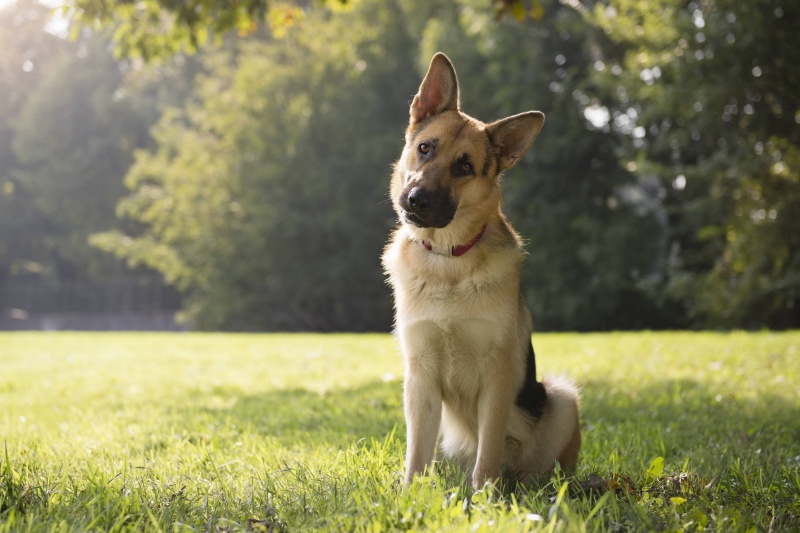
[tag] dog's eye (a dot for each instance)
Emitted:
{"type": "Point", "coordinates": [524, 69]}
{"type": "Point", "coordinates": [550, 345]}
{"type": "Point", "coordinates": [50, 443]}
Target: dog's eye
{"type": "Point", "coordinates": [462, 167]}
{"type": "Point", "coordinates": [424, 148]}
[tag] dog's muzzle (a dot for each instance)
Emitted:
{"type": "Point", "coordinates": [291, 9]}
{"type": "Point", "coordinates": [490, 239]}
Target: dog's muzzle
{"type": "Point", "coordinates": [427, 208]}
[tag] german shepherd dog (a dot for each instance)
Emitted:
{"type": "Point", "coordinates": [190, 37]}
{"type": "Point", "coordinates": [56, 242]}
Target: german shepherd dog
{"type": "Point", "coordinates": [463, 326]}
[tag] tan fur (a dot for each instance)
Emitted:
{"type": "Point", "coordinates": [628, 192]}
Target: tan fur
{"type": "Point", "coordinates": [462, 324]}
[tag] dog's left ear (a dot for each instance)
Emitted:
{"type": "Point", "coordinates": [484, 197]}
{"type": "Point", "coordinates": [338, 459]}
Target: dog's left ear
{"type": "Point", "coordinates": [438, 91]}
{"type": "Point", "coordinates": [511, 137]}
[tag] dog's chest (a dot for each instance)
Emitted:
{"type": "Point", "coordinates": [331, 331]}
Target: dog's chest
{"type": "Point", "coordinates": [454, 317]}
{"type": "Point", "coordinates": [467, 357]}
{"type": "Point", "coordinates": [455, 331]}
{"type": "Point", "coordinates": [473, 297]}
{"type": "Point", "coordinates": [456, 354]}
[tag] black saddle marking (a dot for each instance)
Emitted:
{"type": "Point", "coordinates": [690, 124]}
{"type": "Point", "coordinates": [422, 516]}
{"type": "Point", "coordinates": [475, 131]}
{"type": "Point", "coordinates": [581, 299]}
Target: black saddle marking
{"type": "Point", "coordinates": [532, 397]}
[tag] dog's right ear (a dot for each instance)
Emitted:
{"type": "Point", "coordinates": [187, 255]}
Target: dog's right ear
{"type": "Point", "coordinates": [512, 136]}
{"type": "Point", "coordinates": [438, 91]}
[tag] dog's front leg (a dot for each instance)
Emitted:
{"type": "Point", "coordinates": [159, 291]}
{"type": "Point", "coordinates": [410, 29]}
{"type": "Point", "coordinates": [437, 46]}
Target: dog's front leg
{"type": "Point", "coordinates": [494, 406]}
{"type": "Point", "coordinates": [423, 410]}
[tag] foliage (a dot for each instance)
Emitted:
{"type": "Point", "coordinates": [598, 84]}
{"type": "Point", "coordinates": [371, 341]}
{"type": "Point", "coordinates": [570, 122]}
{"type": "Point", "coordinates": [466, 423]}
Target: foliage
{"type": "Point", "coordinates": [266, 198]}
{"type": "Point", "coordinates": [708, 98]}
{"type": "Point", "coordinates": [24, 48]}
{"type": "Point", "coordinates": [69, 172]}
{"type": "Point", "coordinates": [663, 191]}
{"type": "Point", "coordinates": [70, 118]}
{"type": "Point", "coordinates": [155, 29]}
{"type": "Point", "coordinates": [120, 432]}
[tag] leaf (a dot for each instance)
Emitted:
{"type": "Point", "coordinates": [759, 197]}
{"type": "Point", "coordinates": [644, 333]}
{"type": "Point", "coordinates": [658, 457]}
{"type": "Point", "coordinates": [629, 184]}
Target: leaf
{"type": "Point", "coordinates": [518, 11]}
{"type": "Point", "coordinates": [677, 500]}
{"type": "Point", "coordinates": [707, 233]}
{"type": "Point", "coordinates": [656, 468]}
{"type": "Point", "coordinates": [620, 484]}
{"type": "Point", "coordinates": [537, 11]}
{"type": "Point", "coordinates": [283, 17]}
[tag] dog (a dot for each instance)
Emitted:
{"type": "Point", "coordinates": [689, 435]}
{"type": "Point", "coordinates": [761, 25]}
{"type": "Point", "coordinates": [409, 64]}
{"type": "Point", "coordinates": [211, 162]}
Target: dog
{"type": "Point", "coordinates": [463, 326]}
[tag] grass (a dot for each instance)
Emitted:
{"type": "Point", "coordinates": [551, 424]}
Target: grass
{"type": "Point", "coordinates": [204, 432]}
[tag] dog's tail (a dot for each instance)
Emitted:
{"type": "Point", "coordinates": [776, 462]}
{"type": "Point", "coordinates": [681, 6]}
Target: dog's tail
{"type": "Point", "coordinates": [558, 434]}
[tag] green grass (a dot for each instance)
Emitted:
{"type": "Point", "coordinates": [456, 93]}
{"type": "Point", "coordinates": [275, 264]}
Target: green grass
{"type": "Point", "coordinates": [203, 432]}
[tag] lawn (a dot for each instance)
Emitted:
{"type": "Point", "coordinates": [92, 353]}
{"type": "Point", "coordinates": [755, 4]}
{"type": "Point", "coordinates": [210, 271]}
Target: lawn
{"type": "Point", "coordinates": [210, 432]}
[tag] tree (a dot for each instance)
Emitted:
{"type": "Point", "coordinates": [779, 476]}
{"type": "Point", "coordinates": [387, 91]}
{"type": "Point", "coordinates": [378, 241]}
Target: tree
{"type": "Point", "coordinates": [73, 174]}
{"type": "Point", "coordinates": [265, 199]}
{"type": "Point", "coordinates": [26, 50]}
{"type": "Point", "coordinates": [154, 29]}
{"type": "Point", "coordinates": [70, 118]}
{"type": "Point", "coordinates": [707, 95]}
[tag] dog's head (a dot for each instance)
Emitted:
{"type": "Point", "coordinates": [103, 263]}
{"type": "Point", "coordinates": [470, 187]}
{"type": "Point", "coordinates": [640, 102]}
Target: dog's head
{"type": "Point", "coordinates": [449, 173]}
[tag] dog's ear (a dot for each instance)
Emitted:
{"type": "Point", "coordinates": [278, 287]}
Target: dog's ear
{"type": "Point", "coordinates": [438, 91]}
{"type": "Point", "coordinates": [511, 137]}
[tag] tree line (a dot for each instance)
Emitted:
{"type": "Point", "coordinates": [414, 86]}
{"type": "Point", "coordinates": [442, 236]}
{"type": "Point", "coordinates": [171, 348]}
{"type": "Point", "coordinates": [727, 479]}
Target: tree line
{"type": "Point", "coordinates": [663, 191]}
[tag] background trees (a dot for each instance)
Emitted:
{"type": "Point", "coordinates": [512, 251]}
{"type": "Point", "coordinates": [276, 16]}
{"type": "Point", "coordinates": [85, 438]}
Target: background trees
{"type": "Point", "coordinates": [713, 88]}
{"type": "Point", "coordinates": [24, 47]}
{"type": "Point", "coordinates": [662, 192]}
{"type": "Point", "coordinates": [265, 197]}
{"type": "Point", "coordinates": [70, 118]}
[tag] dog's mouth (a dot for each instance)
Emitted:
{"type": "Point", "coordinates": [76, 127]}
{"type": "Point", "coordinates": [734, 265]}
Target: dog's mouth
{"type": "Point", "coordinates": [439, 221]}
{"type": "Point", "coordinates": [413, 219]}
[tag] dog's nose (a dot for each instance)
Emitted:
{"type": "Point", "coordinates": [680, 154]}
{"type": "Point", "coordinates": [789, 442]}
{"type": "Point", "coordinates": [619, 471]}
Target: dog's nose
{"type": "Point", "coordinates": [419, 200]}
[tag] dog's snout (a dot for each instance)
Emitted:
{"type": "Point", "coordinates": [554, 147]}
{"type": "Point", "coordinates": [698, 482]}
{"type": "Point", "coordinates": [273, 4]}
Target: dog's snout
{"type": "Point", "coordinates": [419, 200]}
{"type": "Point", "coordinates": [427, 208]}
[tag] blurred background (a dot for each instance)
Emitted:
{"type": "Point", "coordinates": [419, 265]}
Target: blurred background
{"type": "Point", "coordinates": [225, 166]}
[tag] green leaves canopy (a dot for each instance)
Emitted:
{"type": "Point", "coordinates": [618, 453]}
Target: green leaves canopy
{"type": "Point", "coordinates": [154, 29]}
{"type": "Point", "coordinates": [266, 196]}
{"type": "Point", "coordinates": [716, 95]}
{"type": "Point", "coordinates": [662, 192]}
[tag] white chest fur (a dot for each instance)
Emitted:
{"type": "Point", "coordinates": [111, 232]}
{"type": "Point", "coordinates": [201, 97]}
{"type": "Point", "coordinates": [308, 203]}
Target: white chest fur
{"type": "Point", "coordinates": [451, 331]}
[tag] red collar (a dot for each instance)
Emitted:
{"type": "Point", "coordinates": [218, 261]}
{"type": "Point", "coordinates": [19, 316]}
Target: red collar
{"type": "Point", "coordinates": [456, 251]}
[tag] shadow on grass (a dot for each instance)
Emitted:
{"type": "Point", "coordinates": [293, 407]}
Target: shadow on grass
{"type": "Point", "coordinates": [676, 419]}
{"type": "Point", "coordinates": [688, 419]}
{"type": "Point", "coordinates": [301, 417]}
